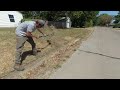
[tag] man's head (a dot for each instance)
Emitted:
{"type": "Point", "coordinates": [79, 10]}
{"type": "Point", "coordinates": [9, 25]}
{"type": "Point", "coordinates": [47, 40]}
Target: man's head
{"type": "Point", "coordinates": [40, 23]}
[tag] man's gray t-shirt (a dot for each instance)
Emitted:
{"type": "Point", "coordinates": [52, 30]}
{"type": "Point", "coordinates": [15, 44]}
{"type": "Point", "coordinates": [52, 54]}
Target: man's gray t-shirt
{"type": "Point", "coordinates": [25, 27]}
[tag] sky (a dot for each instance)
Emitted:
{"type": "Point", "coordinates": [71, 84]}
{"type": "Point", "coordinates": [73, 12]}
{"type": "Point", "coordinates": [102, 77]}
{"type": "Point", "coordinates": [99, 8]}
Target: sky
{"type": "Point", "coordinates": [109, 12]}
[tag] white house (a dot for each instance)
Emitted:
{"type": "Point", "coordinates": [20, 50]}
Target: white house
{"type": "Point", "coordinates": [10, 18]}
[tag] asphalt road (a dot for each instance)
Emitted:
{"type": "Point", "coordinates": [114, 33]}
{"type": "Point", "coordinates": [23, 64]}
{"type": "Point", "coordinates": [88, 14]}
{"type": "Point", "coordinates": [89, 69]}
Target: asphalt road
{"type": "Point", "coordinates": [97, 58]}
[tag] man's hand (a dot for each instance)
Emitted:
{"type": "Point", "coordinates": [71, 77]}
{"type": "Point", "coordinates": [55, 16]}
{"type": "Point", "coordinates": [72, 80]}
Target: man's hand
{"type": "Point", "coordinates": [30, 35]}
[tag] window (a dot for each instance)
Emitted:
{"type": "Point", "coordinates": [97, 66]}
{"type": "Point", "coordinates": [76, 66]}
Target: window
{"type": "Point", "coordinates": [11, 17]}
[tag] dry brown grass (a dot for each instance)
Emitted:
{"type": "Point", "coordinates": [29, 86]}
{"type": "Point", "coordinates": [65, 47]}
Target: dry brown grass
{"type": "Point", "coordinates": [8, 44]}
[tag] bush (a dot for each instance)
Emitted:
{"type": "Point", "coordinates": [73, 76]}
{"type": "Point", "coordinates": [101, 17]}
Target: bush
{"type": "Point", "coordinates": [89, 24]}
{"type": "Point", "coordinates": [116, 26]}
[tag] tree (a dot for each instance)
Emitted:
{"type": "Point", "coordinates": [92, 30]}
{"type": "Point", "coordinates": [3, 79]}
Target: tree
{"type": "Point", "coordinates": [55, 15]}
{"type": "Point", "coordinates": [78, 18]}
{"type": "Point", "coordinates": [117, 18]}
{"type": "Point", "coordinates": [31, 14]}
{"type": "Point", "coordinates": [82, 18]}
{"type": "Point", "coordinates": [26, 14]}
{"type": "Point", "coordinates": [90, 18]}
{"type": "Point", "coordinates": [104, 19]}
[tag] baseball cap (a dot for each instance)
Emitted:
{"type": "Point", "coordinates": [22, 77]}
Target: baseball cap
{"type": "Point", "coordinates": [41, 22]}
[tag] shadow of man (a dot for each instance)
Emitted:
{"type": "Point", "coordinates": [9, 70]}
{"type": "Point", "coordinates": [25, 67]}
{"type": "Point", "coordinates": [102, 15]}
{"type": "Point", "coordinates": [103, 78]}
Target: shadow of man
{"type": "Point", "coordinates": [30, 52]}
{"type": "Point", "coordinates": [27, 53]}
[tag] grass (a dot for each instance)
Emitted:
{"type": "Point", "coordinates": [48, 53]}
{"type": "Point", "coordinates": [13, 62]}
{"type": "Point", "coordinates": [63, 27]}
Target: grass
{"type": "Point", "coordinates": [8, 45]}
{"type": "Point", "coordinates": [116, 28]}
{"type": "Point", "coordinates": [57, 66]}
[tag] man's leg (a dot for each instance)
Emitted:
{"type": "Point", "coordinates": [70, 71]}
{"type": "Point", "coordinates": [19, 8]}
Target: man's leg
{"type": "Point", "coordinates": [31, 41]}
{"type": "Point", "coordinates": [19, 47]}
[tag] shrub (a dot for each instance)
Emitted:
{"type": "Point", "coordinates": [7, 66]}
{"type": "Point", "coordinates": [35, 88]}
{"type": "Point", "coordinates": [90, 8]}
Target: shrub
{"type": "Point", "coordinates": [116, 25]}
{"type": "Point", "coordinates": [89, 23]}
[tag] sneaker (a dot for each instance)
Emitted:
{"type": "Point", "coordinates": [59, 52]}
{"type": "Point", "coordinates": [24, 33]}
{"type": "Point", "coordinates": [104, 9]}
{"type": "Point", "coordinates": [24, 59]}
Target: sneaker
{"type": "Point", "coordinates": [18, 67]}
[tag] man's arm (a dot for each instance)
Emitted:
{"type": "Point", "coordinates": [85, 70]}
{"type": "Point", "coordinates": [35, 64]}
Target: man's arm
{"type": "Point", "coordinates": [41, 32]}
{"type": "Point", "coordinates": [29, 34]}
{"type": "Point", "coordinates": [29, 31]}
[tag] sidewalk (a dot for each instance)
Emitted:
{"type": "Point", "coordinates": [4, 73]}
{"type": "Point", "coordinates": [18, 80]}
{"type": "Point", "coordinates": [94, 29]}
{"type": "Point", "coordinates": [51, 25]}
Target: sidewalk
{"type": "Point", "coordinates": [97, 58]}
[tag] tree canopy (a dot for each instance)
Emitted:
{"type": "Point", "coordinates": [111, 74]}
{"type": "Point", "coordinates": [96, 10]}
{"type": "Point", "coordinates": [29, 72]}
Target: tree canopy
{"type": "Point", "coordinates": [117, 18]}
{"type": "Point", "coordinates": [78, 18]}
{"type": "Point", "coordinates": [104, 19]}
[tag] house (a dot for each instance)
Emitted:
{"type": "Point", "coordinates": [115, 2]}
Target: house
{"type": "Point", "coordinates": [65, 22]}
{"type": "Point", "coordinates": [10, 18]}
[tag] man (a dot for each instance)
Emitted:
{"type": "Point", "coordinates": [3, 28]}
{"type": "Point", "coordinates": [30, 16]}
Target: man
{"type": "Point", "coordinates": [23, 34]}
